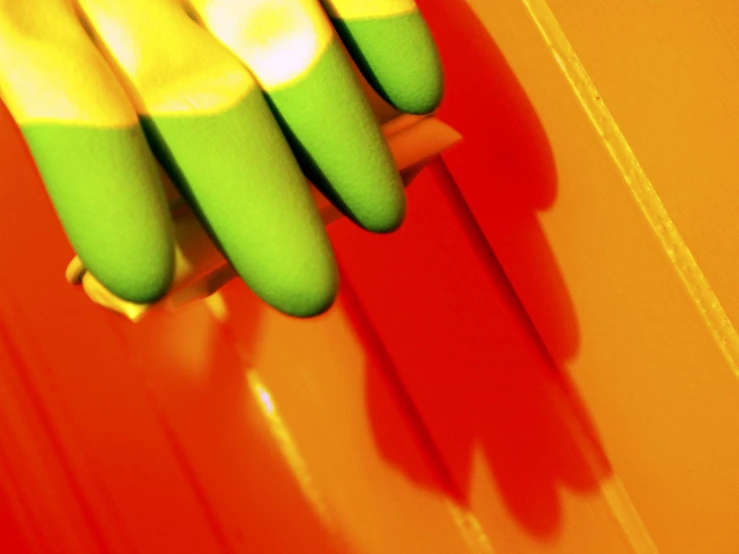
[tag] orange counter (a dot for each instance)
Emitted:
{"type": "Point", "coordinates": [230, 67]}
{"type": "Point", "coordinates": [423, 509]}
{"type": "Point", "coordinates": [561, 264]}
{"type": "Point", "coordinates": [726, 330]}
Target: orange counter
{"type": "Point", "coordinates": [527, 366]}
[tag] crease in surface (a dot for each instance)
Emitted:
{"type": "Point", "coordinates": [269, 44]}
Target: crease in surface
{"type": "Point", "coordinates": [695, 282]}
{"type": "Point", "coordinates": [288, 447]}
{"type": "Point", "coordinates": [702, 295]}
{"type": "Point", "coordinates": [615, 494]}
{"type": "Point", "coordinates": [470, 528]}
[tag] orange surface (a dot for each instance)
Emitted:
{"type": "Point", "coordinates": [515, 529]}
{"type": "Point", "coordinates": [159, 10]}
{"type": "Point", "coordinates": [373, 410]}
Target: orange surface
{"type": "Point", "coordinates": [639, 241]}
{"type": "Point", "coordinates": [520, 369]}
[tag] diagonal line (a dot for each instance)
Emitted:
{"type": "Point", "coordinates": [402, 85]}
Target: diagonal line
{"type": "Point", "coordinates": [55, 441]}
{"type": "Point", "coordinates": [470, 528]}
{"type": "Point", "coordinates": [704, 298]}
{"type": "Point", "coordinates": [622, 508]}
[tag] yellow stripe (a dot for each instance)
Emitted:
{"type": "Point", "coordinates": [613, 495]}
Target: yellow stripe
{"type": "Point", "coordinates": [369, 9]}
{"type": "Point", "coordinates": [170, 65]}
{"type": "Point", "coordinates": [619, 502]}
{"type": "Point", "coordinates": [646, 196]}
{"type": "Point", "coordinates": [288, 447]}
{"type": "Point", "coordinates": [279, 40]}
{"type": "Point", "coordinates": [626, 514]}
{"type": "Point", "coordinates": [470, 528]}
{"type": "Point", "coordinates": [51, 72]}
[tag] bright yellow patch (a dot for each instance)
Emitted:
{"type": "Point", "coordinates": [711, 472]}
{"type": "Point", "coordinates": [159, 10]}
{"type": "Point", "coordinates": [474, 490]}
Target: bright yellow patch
{"type": "Point", "coordinates": [170, 64]}
{"type": "Point", "coordinates": [279, 40]}
{"type": "Point", "coordinates": [51, 72]}
{"type": "Point", "coordinates": [369, 9]}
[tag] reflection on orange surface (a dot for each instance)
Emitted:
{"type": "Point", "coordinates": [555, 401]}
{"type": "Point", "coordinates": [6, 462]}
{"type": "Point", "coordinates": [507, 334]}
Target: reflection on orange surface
{"type": "Point", "coordinates": [315, 373]}
{"type": "Point", "coordinates": [287, 445]}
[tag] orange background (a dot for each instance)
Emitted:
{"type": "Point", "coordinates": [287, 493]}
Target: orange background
{"type": "Point", "coordinates": [522, 368]}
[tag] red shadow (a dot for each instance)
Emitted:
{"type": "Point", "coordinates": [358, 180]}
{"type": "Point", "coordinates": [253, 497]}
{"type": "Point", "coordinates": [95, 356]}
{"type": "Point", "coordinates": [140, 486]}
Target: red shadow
{"type": "Point", "coordinates": [431, 303]}
{"type": "Point", "coordinates": [446, 326]}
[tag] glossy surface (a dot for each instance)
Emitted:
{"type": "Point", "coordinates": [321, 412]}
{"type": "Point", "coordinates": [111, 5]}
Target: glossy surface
{"type": "Point", "coordinates": [428, 410]}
